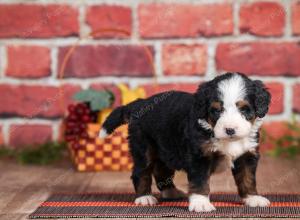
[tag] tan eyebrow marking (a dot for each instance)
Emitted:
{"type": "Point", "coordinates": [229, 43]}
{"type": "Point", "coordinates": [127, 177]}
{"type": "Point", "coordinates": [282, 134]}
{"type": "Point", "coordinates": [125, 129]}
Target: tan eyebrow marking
{"type": "Point", "coordinates": [242, 103]}
{"type": "Point", "coordinates": [216, 105]}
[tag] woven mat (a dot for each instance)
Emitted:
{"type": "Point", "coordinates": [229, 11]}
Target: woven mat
{"type": "Point", "coordinates": [111, 205]}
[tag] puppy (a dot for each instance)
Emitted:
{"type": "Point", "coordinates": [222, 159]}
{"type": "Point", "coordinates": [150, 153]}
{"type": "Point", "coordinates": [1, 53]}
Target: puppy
{"type": "Point", "coordinates": [201, 133]}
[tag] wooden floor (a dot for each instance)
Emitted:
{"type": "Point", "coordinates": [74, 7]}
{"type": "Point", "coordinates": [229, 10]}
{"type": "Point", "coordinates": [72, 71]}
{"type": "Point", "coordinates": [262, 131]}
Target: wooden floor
{"type": "Point", "coordinates": [23, 188]}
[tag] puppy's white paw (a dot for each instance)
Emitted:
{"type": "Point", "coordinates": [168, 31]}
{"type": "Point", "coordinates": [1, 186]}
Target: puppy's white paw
{"type": "Point", "coordinates": [200, 203]}
{"type": "Point", "coordinates": [256, 201]}
{"type": "Point", "coordinates": [172, 193]}
{"type": "Point", "coordinates": [146, 200]}
{"type": "Point", "coordinates": [103, 133]}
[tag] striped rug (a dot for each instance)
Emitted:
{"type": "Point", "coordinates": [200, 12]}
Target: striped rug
{"type": "Point", "coordinates": [112, 205]}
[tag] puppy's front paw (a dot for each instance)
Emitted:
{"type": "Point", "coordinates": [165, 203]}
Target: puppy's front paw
{"type": "Point", "coordinates": [200, 203]}
{"type": "Point", "coordinates": [256, 201]}
{"type": "Point", "coordinates": [146, 200]}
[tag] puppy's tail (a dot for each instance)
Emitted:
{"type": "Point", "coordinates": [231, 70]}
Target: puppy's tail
{"type": "Point", "coordinates": [119, 116]}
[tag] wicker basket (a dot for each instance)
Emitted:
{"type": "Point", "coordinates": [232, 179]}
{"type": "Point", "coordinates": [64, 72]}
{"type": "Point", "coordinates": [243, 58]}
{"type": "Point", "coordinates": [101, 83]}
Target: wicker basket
{"type": "Point", "coordinates": [93, 153]}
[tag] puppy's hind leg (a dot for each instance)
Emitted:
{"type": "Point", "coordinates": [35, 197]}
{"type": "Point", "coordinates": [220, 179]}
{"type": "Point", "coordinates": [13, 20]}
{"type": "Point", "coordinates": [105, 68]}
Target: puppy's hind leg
{"type": "Point", "coordinates": [141, 174]}
{"type": "Point", "coordinates": [142, 181]}
{"type": "Point", "coordinates": [164, 181]}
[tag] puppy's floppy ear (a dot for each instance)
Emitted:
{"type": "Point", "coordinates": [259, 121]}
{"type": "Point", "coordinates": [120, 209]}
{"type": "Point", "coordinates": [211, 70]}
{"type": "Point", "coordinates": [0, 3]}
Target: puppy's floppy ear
{"type": "Point", "coordinates": [202, 96]}
{"type": "Point", "coordinates": [262, 99]}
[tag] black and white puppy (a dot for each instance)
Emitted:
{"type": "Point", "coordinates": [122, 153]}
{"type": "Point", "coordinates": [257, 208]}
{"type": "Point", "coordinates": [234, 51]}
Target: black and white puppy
{"type": "Point", "coordinates": [201, 133]}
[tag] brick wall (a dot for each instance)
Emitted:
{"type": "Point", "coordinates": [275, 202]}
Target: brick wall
{"type": "Point", "coordinates": [191, 41]}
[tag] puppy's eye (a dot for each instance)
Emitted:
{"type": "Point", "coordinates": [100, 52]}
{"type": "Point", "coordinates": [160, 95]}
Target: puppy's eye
{"type": "Point", "coordinates": [245, 109]}
{"type": "Point", "coordinates": [215, 110]}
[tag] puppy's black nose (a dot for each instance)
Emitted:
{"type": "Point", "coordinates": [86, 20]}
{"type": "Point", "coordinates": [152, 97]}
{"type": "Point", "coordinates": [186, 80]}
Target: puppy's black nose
{"type": "Point", "coordinates": [230, 131]}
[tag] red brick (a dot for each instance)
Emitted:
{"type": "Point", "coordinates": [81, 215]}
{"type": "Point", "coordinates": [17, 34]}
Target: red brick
{"type": "Point", "coordinates": [110, 87]}
{"type": "Point", "coordinates": [296, 98]}
{"type": "Point", "coordinates": [259, 58]}
{"type": "Point", "coordinates": [296, 18]}
{"type": "Point", "coordinates": [1, 137]}
{"type": "Point", "coordinates": [262, 18]}
{"type": "Point", "coordinates": [112, 60]}
{"type": "Point", "coordinates": [110, 17]}
{"type": "Point", "coordinates": [184, 20]}
{"type": "Point", "coordinates": [21, 135]}
{"type": "Point", "coordinates": [38, 21]}
{"type": "Point", "coordinates": [28, 61]}
{"type": "Point", "coordinates": [152, 89]}
{"type": "Point", "coordinates": [277, 92]}
{"type": "Point", "coordinates": [35, 101]}
{"type": "Point", "coordinates": [182, 59]}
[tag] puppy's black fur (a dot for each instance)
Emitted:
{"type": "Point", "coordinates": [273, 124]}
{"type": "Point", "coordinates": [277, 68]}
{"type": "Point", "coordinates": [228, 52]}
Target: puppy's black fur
{"type": "Point", "coordinates": [164, 136]}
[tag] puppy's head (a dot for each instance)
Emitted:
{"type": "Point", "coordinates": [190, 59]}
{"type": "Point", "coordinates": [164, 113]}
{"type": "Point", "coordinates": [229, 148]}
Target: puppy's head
{"type": "Point", "coordinates": [229, 105]}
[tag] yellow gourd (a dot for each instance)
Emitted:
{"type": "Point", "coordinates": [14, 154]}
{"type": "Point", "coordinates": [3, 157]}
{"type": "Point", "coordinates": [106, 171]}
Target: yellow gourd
{"type": "Point", "coordinates": [130, 95]}
{"type": "Point", "coordinates": [127, 96]}
{"type": "Point", "coordinates": [103, 114]}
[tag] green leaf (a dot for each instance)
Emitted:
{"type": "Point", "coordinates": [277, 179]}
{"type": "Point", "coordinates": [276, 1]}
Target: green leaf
{"type": "Point", "coordinates": [98, 100]}
{"type": "Point", "coordinates": [42, 154]}
{"type": "Point", "coordinates": [97, 104]}
{"type": "Point", "coordinates": [6, 152]}
{"type": "Point", "coordinates": [84, 95]}
{"type": "Point", "coordinates": [292, 151]}
{"type": "Point", "coordinates": [287, 138]}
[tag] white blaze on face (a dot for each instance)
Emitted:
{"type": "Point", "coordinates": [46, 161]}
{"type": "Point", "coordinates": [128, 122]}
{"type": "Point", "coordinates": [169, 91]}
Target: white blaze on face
{"type": "Point", "coordinates": [231, 91]}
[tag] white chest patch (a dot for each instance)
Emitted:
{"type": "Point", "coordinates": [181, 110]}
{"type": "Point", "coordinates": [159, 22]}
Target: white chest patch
{"type": "Point", "coordinates": [234, 149]}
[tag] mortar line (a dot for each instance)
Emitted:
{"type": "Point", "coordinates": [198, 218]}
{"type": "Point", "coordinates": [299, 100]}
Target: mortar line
{"type": "Point", "coordinates": [134, 21]}
{"type": "Point", "coordinates": [3, 61]}
{"type": "Point", "coordinates": [288, 20]}
{"type": "Point", "coordinates": [115, 79]}
{"type": "Point", "coordinates": [5, 132]}
{"type": "Point", "coordinates": [53, 56]}
{"type": "Point", "coordinates": [120, 2]}
{"type": "Point", "coordinates": [56, 130]}
{"type": "Point", "coordinates": [236, 19]}
{"type": "Point", "coordinates": [19, 120]}
{"type": "Point", "coordinates": [184, 40]}
{"type": "Point", "coordinates": [211, 70]}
